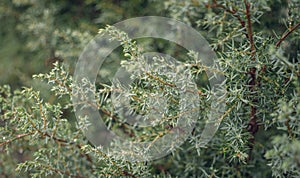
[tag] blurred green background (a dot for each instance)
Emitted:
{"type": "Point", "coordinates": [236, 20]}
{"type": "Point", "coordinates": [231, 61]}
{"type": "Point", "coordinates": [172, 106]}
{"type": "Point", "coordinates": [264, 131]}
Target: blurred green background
{"type": "Point", "coordinates": [34, 33]}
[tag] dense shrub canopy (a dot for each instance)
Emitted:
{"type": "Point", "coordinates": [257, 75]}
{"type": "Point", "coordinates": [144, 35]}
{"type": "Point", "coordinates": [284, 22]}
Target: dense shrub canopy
{"type": "Point", "coordinates": [257, 44]}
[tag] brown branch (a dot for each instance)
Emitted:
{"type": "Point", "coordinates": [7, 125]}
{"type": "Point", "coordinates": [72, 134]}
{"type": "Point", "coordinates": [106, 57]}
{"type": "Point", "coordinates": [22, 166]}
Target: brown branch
{"type": "Point", "coordinates": [249, 30]}
{"type": "Point", "coordinates": [289, 129]}
{"type": "Point", "coordinates": [160, 80]}
{"type": "Point", "coordinates": [45, 134]}
{"type": "Point", "coordinates": [284, 36]}
{"type": "Point", "coordinates": [231, 11]}
{"type": "Point", "coordinates": [252, 125]}
{"type": "Point", "coordinates": [15, 138]}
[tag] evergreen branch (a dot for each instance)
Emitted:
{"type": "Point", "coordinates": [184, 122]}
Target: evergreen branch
{"type": "Point", "coordinates": [116, 119]}
{"type": "Point", "coordinates": [124, 173]}
{"type": "Point", "coordinates": [160, 80]}
{"type": "Point", "coordinates": [15, 138]}
{"type": "Point", "coordinates": [284, 36]}
{"type": "Point", "coordinates": [159, 135]}
{"type": "Point", "coordinates": [79, 146]}
{"type": "Point", "coordinates": [56, 126]}
{"type": "Point", "coordinates": [164, 119]}
{"type": "Point", "coordinates": [104, 111]}
{"type": "Point", "coordinates": [43, 116]}
{"type": "Point", "coordinates": [233, 12]}
{"type": "Point", "coordinates": [173, 85]}
{"type": "Point", "coordinates": [35, 127]}
{"type": "Point", "coordinates": [228, 111]}
{"type": "Point", "coordinates": [58, 171]}
{"type": "Point", "coordinates": [56, 139]}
